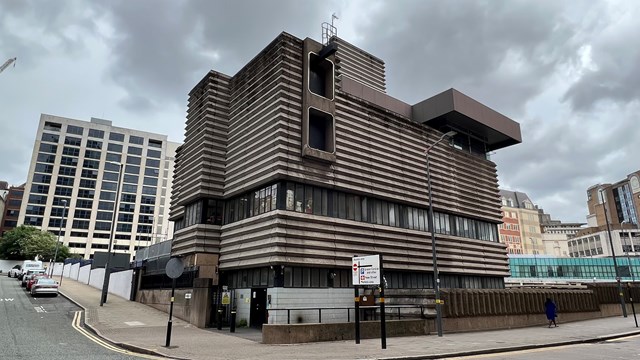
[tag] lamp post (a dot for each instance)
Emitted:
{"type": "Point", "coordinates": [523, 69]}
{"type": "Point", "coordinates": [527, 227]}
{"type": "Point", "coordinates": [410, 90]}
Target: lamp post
{"type": "Point", "coordinates": [105, 283]}
{"type": "Point", "coordinates": [55, 256]}
{"type": "Point", "coordinates": [613, 254]}
{"type": "Point", "coordinates": [535, 258]}
{"type": "Point", "coordinates": [633, 280]}
{"type": "Point", "coordinates": [436, 277]}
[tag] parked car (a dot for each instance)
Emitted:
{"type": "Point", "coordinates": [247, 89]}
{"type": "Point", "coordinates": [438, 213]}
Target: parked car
{"type": "Point", "coordinates": [33, 279]}
{"type": "Point", "coordinates": [44, 286]}
{"type": "Point", "coordinates": [14, 271]}
{"type": "Point", "coordinates": [29, 274]}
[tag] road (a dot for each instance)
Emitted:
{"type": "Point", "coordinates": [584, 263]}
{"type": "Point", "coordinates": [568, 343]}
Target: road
{"type": "Point", "coordinates": [42, 328]}
{"type": "Point", "coordinates": [622, 348]}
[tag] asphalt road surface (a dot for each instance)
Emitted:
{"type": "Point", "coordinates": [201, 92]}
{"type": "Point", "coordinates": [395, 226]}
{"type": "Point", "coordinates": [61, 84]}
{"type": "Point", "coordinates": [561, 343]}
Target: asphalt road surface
{"type": "Point", "coordinates": [622, 348]}
{"type": "Point", "coordinates": [43, 328]}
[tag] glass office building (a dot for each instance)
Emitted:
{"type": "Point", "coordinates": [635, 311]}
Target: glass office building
{"type": "Point", "coordinates": [583, 269]}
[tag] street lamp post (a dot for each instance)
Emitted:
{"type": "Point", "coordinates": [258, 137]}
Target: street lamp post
{"type": "Point", "coordinates": [535, 258]}
{"type": "Point", "coordinates": [105, 283]}
{"type": "Point", "coordinates": [436, 276]}
{"type": "Point", "coordinates": [55, 255]}
{"type": "Point", "coordinates": [633, 279]}
{"type": "Point", "coordinates": [613, 254]}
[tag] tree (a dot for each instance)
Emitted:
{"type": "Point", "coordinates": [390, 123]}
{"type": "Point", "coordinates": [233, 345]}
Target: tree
{"type": "Point", "coordinates": [27, 243]}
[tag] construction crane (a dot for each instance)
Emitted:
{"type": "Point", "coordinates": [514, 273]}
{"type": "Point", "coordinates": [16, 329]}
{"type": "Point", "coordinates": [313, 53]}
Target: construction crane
{"type": "Point", "coordinates": [7, 63]}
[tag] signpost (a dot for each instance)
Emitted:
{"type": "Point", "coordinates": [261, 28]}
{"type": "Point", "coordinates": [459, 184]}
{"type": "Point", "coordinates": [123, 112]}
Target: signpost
{"type": "Point", "coordinates": [174, 270]}
{"type": "Point", "coordinates": [367, 270]}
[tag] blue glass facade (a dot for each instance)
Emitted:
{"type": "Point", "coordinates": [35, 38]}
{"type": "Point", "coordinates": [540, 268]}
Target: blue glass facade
{"type": "Point", "coordinates": [551, 268]}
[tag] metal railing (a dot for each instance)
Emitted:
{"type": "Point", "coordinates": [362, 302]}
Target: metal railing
{"type": "Point", "coordinates": [391, 312]}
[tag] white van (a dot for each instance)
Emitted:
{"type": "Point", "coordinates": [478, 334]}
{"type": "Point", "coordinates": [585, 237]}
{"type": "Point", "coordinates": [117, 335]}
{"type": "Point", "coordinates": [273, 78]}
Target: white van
{"type": "Point", "coordinates": [29, 265]}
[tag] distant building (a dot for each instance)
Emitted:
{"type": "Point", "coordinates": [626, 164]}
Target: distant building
{"type": "Point", "coordinates": [12, 204]}
{"type": "Point", "coordinates": [556, 234]}
{"type": "Point", "coordinates": [621, 201]}
{"type": "Point", "coordinates": [79, 162]}
{"type": "Point", "coordinates": [520, 229]}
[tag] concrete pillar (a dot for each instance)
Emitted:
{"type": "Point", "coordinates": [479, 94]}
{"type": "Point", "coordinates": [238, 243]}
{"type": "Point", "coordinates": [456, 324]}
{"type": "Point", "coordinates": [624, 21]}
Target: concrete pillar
{"type": "Point", "coordinates": [201, 302]}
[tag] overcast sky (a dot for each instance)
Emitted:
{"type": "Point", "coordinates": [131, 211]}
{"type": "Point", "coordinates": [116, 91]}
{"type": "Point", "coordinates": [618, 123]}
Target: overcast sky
{"type": "Point", "coordinates": [567, 71]}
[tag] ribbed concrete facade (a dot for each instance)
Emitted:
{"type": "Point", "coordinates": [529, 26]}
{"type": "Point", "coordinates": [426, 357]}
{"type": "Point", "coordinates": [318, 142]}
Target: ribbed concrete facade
{"type": "Point", "coordinates": [309, 162]}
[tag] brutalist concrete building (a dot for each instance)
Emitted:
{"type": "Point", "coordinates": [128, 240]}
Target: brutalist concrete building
{"type": "Point", "coordinates": [301, 160]}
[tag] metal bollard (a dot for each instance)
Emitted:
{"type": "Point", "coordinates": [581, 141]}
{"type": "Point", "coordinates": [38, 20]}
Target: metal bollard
{"type": "Point", "coordinates": [233, 320]}
{"type": "Point", "coordinates": [219, 319]}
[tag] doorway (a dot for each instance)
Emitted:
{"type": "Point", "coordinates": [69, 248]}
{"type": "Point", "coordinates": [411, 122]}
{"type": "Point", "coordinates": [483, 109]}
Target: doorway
{"type": "Point", "coordinates": [258, 313]}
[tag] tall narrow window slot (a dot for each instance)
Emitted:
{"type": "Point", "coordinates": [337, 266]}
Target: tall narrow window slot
{"type": "Point", "coordinates": [320, 76]}
{"type": "Point", "coordinates": [320, 130]}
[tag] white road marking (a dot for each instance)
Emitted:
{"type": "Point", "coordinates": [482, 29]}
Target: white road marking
{"type": "Point", "coordinates": [134, 323]}
{"type": "Point", "coordinates": [40, 309]}
{"type": "Point", "coordinates": [5, 299]}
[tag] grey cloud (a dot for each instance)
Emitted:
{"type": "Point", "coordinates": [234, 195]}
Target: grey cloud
{"type": "Point", "coordinates": [499, 52]}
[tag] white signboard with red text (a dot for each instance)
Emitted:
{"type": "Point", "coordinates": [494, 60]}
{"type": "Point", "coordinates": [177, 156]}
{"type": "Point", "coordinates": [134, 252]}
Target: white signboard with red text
{"type": "Point", "coordinates": [366, 270]}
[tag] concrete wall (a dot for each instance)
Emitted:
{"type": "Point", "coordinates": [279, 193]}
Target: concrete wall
{"type": "Point", "coordinates": [160, 299]}
{"type": "Point", "coordinates": [84, 274]}
{"type": "Point", "coordinates": [75, 270]}
{"type": "Point", "coordinates": [120, 283]}
{"type": "Point", "coordinates": [57, 269]}
{"type": "Point", "coordinates": [67, 271]}
{"type": "Point", "coordinates": [97, 278]}
{"type": "Point", "coordinates": [289, 298]}
{"type": "Point", "coordinates": [6, 265]}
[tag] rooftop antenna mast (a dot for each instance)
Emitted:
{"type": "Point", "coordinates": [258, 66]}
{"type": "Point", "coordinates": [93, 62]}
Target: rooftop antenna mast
{"type": "Point", "coordinates": [329, 30]}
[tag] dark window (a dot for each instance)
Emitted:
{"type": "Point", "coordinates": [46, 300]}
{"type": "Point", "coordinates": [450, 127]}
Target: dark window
{"type": "Point", "coordinates": [155, 143]}
{"type": "Point", "coordinates": [134, 160]}
{"type": "Point", "coordinates": [52, 126]}
{"type": "Point", "coordinates": [71, 129]}
{"type": "Point", "coordinates": [320, 130]}
{"type": "Point", "coordinates": [102, 205]}
{"type": "Point", "coordinates": [114, 147]}
{"type": "Point", "coordinates": [151, 172]}
{"type": "Point", "coordinates": [63, 191]}
{"type": "Point", "coordinates": [93, 144]}
{"type": "Point", "coordinates": [71, 161]}
{"type": "Point", "coordinates": [136, 140]}
{"type": "Point", "coordinates": [114, 157]}
{"type": "Point", "coordinates": [109, 186]}
{"type": "Point", "coordinates": [77, 244]}
{"type": "Point", "coordinates": [132, 179]}
{"type": "Point", "coordinates": [91, 164]}
{"type": "Point", "coordinates": [144, 229]}
{"type": "Point", "coordinates": [149, 190]}
{"type": "Point", "coordinates": [98, 134]}
{"type": "Point", "coordinates": [57, 223]}
{"type": "Point", "coordinates": [128, 198]}
{"type": "Point", "coordinates": [43, 168]}
{"type": "Point", "coordinates": [92, 154]}
{"type": "Point", "coordinates": [65, 181]}
{"type": "Point", "coordinates": [125, 217]}
{"type": "Point", "coordinates": [40, 189]}
{"type": "Point", "coordinates": [320, 76]}
{"type": "Point", "coordinates": [148, 200]}
{"type": "Point", "coordinates": [106, 195]}
{"type": "Point", "coordinates": [124, 227]}
{"type": "Point", "coordinates": [145, 209]}
{"type": "Point", "coordinates": [48, 148]}
{"type": "Point", "coordinates": [46, 158]}
{"type": "Point", "coordinates": [40, 178]}
{"type": "Point", "coordinates": [70, 151]}
{"type": "Point", "coordinates": [91, 174]}
{"type": "Point", "coordinates": [112, 167]}
{"type": "Point", "coordinates": [67, 171]}
{"type": "Point", "coordinates": [150, 181]}
{"type": "Point", "coordinates": [50, 138]}
{"type": "Point", "coordinates": [153, 153]}
{"type": "Point", "coordinates": [131, 169]}
{"type": "Point", "coordinates": [153, 163]}
{"type": "Point", "coordinates": [100, 246]}
{"type": "Point", "coordinates": [129, 188]}
{"type": "Point", "coordinates": [80, 224]}
{"type": "Point", "coordinates": [116, 136]}
{"type": "Point", "coordinates": [33, 221]}
{"type": "Point", "coordinates": [134, 150]}
{"type": "Point", "coordinates": [73, 141]}
{"type": "Point", "coordinates": [58, 201]}
{"type": "Point", "coordinates": [37, 199]}
{"type": "Point", "coordinates": [84, 204]}
{"type": "Point", "coordinates": [127, 207]}
{"type": "Point", "coordinates": [110, 176]}
{"type": "Point", "coordinates": [35, 210]}
{"type": "Point", "coordinates": [86, 194]}
{"type": "Point", "coordinates": [90, 184]}
{"type": "Point", "coordinates": [145, 219]}
{"type": "Point", "coordinates": [82, 214]}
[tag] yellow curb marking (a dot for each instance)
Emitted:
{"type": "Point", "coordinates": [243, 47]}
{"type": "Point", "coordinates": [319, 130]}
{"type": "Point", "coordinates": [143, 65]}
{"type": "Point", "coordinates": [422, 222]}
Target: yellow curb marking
{"type": "Point", "coordinates": [76, 325]}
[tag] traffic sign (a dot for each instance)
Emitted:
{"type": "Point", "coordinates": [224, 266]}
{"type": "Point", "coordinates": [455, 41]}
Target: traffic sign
{"type": "Point", "coordinates": [174, 268]}
{"type": "Point", "coordinates": [366, 270]}
{"type": "Point", "coordinates": [226, 298]}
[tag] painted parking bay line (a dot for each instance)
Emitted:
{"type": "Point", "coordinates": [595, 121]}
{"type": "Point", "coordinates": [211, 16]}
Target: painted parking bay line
{"type": "Point", "coordinates": [40, 309]}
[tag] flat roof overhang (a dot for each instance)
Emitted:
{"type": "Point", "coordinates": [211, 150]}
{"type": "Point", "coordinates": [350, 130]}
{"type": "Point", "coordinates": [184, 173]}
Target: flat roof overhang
{"type": "Point", "coordinates": [455, 110]}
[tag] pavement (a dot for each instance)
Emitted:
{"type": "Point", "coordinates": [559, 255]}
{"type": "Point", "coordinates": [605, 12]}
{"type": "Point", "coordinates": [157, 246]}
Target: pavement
{"type": "Point", "coordinates": [138, 327]}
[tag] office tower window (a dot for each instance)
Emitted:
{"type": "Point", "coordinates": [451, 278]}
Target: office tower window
{"type": "Point", "coordinates": [71, 129]}
{"type": "Point", "coordinates": [73, 141]}
{"type": "Point", "coordinates": [136, 140]}
{"type": "Point", "coordinates": [116, 137]}
{"type": "Point", "coordinates": [98, 134]}
{"type": "Point", "coordinates": [48, 148]}
{"type": "Point", "coordinates": [50, 138]}
{"type": "Point", "coordinates": [51, 126]}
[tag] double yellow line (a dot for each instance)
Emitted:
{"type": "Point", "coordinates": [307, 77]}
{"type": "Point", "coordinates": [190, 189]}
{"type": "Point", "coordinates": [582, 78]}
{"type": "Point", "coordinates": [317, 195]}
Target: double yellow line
{"type": "Point", "coordinates": [76, 325]}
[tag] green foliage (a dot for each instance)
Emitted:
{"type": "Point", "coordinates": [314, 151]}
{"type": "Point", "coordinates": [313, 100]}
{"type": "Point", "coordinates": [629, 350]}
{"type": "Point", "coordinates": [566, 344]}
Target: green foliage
{"type": "Point", "coordinates": [27, 242]}
{"type": "Point", "coordinates": [242, 323]}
